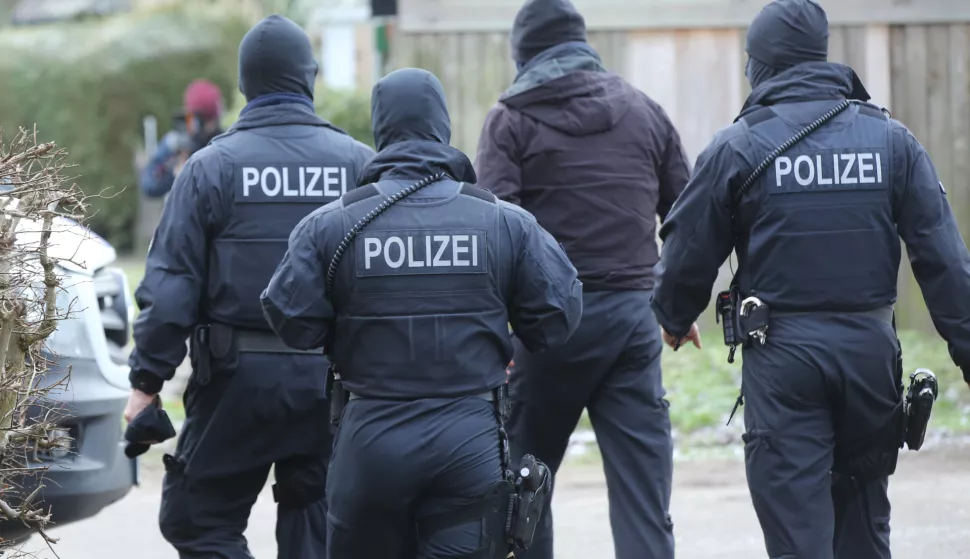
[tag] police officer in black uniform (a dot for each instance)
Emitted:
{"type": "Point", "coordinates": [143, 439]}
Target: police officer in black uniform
{"type": "Point", "coordinates": [416, 322]}
{"type": "Point", "coordinates": [817, 235]}
{"type": "Point", "coordinates": [252, 402]}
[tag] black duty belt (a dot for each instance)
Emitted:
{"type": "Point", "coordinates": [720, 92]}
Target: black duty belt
{"type": "Point", "coordinates": [884, 314]}
{"type": "Point", "coordinates": [254, 341]}
{"type": "Point", "coordinates": [489, 396]}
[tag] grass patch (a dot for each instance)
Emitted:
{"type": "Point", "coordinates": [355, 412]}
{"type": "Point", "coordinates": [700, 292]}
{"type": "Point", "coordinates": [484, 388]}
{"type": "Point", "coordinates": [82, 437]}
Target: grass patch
{"type": "Point", "coordinates": [134, 268]}
{"type": "Point", "coordinates": [174, 408]}
{"type": "Point", "coordinates": [702, 386]}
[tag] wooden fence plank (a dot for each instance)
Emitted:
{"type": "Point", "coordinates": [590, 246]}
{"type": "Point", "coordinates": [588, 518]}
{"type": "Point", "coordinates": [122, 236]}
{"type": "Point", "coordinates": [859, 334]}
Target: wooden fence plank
{"type": "Point", "coordinates": [958, 56]}
{"type": "Point", "coordinates": [837, 44]}
{"type": "Point", "coordinates": [878, 65]}
{"type": "Point", "coordinates": [855, 49]}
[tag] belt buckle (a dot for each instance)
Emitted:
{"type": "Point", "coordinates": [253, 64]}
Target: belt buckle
{"type": "Point", "coordinates": [747, 305]}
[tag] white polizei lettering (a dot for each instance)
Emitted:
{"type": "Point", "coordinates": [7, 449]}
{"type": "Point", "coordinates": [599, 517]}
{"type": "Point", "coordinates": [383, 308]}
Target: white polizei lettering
{"type": "Point", "coordinates": [250, 178]}
{"type": "Point", "coordinates": [456, 250]}
{"type": "Point", "coordinates": [821, 179]}
{"type": "Point", "coordinates": [387, 252]}
{"type": "Point", "coordinates": [865, 166]}
{"type": "Point", "coordinates": [846, 179]}
{"type": "Point", "coordinates": [343, 181]}
{"type": "Point", "coordinates": [277, 181]}
{"type": "Point", "coordinates": [314, 177]}
{"type": "Point", "coordinates": [372, 248]}
{"type": "Point", "coordinates": [331, 178]}
{"type": "Point", "coordinates": [443, 239]}
{"type": "Point", "coordinates": [412, 263]}
{"type": "Point", "coordinates": [782, 168]}
{"type": "Point", "coordinates": [302, 181]}
{"type": "Point", "coordinates": [811, 170]}
{"type": "Point", "coordinates": [402, 251]}
{"type": "Point", "coordinates": [286, 184]}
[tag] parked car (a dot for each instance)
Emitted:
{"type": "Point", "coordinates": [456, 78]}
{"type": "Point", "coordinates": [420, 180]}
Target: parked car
{"type": "Point", "coordinates": [93, 472]}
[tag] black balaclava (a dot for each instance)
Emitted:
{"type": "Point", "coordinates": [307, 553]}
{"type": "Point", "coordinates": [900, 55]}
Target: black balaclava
{"type": "Point", "coordinates": [409, 104]}
{"type": "Point", "coordinates": [276, 56]}
{"type": "Point", "coordinates": [784, 34]}
{"type": "Point", "coordinates": [543, 24]}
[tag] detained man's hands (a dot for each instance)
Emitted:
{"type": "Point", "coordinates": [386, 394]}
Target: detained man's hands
{"type": "Point", "coordinates": [694, 336]}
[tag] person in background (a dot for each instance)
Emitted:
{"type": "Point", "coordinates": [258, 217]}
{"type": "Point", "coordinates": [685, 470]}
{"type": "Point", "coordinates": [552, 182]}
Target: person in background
{"type": "Point", "coordinates": [596, 161]}
{"type": "Point", "coordinates": [192, 129]}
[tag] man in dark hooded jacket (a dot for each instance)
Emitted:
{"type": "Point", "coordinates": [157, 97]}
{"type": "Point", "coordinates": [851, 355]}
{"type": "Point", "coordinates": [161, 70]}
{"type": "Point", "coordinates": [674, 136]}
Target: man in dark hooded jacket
{"type": "Point", "coordinates": [596, 161]}
{"type": "Point", "coordinates": [817, 236]}
{"type": "Point", "coordinates": [423, 296]}
{"type": "Point", "coordinates": [252, 403]}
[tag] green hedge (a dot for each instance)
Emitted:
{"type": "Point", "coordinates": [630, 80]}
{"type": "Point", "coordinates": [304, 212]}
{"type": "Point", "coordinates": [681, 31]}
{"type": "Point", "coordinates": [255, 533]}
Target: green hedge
{"type": "Point", "coordinates": [87, 87]}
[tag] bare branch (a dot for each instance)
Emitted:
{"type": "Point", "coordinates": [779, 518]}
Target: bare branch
{"type": "Point", "coordinates": [39, 206]}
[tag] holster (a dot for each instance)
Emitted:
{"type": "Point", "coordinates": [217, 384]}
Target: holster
{"type": "Point", "coordinates": [531, 491]}
{"type": "Point", "coordinates": [923, 391]}
{"type": "Point", "coordinates": [211, 348]}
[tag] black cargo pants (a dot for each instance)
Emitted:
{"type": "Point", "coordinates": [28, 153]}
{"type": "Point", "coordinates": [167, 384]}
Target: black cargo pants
{"type": "Point", "coordinates": [397, 463]}
{"type": "Point", "coordinates": [611, 367]}
{"type": "Point", "coordinates": [822, 386]}
{"type": "Point", "coordinates": [266, 410]}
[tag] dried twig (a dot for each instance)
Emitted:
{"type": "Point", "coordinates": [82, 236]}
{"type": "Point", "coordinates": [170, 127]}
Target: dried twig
{"type": "Point", "coordinates": [35, 198]}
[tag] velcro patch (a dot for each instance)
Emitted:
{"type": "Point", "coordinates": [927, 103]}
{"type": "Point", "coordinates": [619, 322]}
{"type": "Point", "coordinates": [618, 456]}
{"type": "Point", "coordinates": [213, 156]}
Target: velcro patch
{"type": "Point", "coordinates": [408, 253]}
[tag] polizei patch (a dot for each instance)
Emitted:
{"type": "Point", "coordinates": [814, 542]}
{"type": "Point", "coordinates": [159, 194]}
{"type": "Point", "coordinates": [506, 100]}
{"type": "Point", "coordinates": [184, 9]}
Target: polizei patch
{"type": "Point", "coordinates": [289, 184]}
{"type": "Point", "coordinates": [408, 253]}
{"type": "Point", "coordinates": [865, 169]}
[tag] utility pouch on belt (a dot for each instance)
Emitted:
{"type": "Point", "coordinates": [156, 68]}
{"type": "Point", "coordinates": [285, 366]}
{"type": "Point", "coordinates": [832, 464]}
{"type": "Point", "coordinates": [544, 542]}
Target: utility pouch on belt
{"type": "Point", "coordinates": [727, 315]}
{"type": "Point", "coordinates": [336, 395]}
{"type": "Point", "coordinates": [923, 391]}
{"type": "Point", "coordinates": [210, 347]}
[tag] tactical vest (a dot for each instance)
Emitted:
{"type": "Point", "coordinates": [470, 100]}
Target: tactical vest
{"type": "Point", "coordinates": [270, 190]}
{"type": "Point", "coordinates": [821, 235]}
{"type": "Point", "coordinates": [420, 297]}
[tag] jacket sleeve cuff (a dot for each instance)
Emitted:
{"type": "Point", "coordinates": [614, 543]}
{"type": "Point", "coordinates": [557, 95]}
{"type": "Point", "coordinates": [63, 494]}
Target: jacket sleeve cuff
{"type": "Point", "coordinates": [145, 382]}
{"type": "Point", "coordinates": [666, 323]}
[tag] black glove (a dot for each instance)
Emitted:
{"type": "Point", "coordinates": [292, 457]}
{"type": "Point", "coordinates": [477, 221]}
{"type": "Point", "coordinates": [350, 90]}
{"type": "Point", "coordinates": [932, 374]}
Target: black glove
{"type": "Point", "coordinates": [152, 424]}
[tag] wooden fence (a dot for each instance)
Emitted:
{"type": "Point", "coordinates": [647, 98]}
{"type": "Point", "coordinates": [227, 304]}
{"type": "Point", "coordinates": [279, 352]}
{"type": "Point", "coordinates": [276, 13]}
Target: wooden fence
{"type": "Point", "coordinates": [920, 72]}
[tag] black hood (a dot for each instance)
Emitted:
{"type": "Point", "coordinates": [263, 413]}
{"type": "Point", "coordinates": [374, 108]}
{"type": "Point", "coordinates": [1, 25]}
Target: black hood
{"type": "Point", "coordinates": [784, 34]}
{"type": "Point", "coordinates": [579, 104]}
{"type": "Point", "coordinates": [415, 160]}
{"type": "Point", "coordinates": [276, 56]}
{"type": "Point", "coordinates": [543, 24]}
{"type": "Point", "coordinates": [810, 81]}
{"type": "Point", "coordinates": [412, 130]}
{"type": "Point", "coordinates": [409, 104]}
